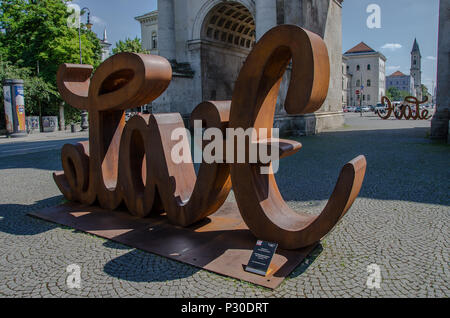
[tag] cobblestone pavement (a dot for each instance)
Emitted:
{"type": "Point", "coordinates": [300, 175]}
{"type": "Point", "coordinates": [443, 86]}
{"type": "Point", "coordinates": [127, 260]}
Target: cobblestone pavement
{"type": "Point", "coordinates": [400, 222]}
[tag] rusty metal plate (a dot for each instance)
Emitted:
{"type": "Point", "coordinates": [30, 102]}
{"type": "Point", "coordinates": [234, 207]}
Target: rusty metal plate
{"type": "Point", "coordinates": [221, 244]}
{"type": "Point", "coordinates": [131, 164]}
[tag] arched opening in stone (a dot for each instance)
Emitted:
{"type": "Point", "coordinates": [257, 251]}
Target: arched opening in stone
{"type": "Point", "coordinates": [228, 35]}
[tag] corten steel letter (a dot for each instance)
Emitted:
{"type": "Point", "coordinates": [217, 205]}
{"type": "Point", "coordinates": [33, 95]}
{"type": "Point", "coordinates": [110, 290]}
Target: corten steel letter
{"type": "Point", "coordinates": [406, 110]}
{"type": "Point", "coordinates": [132, 163]}
{"type": "Point", "coordinates": [253, 105]}
{"type": "Point", "coordinates": [128, 163]}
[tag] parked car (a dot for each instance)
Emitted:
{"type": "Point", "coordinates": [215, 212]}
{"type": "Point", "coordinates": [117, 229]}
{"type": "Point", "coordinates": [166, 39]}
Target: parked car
{"type": "Point", "coordinates": [357, 109]}
{"type": "Point", "coordinates": [348, 109]}
{"type": "Point", "coordinates": [365, 109]}
{"type": "Point", "coordinates": [380, 110]}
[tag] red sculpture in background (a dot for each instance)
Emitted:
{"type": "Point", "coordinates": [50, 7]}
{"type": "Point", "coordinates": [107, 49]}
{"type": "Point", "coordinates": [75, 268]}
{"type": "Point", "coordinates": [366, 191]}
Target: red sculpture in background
{"type": "Point", "coordinates": [132, 162]}
{"type": "Point", "coordinates": [405, 110]}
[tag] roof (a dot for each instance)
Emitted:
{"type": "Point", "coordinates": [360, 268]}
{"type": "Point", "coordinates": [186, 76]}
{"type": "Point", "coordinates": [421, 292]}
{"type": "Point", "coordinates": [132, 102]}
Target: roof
{"type": "Point", "coordinates": [415, 46]}
{"type": "Point", "coordinates": [398, 73]}
{"type": "Point", "coordinates": [151, 15]}
{"type": "Point", "coordinates": [361, 48]}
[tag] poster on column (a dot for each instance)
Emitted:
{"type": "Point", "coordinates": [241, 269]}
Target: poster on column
{"type": "Point", "coordinates": [8, 109]}
{"type": "Point", "coordinates": [20, 107]}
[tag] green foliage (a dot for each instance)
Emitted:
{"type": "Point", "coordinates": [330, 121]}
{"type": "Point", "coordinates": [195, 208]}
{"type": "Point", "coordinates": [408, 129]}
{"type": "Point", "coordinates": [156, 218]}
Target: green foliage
{"type": "Point", "coordinates": [35, 36]}
{"type": "Point", "coordinates": [394, 94]}
{"type": "Point", "coordinates": [129, 45]}
{"type": "Point", "coordinates": [37, 91]}
{"type": "Point", "coordinates": [426, 93]}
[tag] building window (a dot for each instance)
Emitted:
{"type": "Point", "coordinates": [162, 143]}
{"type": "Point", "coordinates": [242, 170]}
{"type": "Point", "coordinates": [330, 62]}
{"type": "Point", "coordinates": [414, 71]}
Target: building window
{"type": "Point", "coordinates": [154, 41]}
{"type": "Point", "coordinates": [369, 83]}
{"type": "Point", "coordinates": [358, 83]}
{"type": "Point", "coordinates": [368, 97]}
{"type": "Point", "coordinates": [368, 67]}
{"type": "Point", "coordinates": [364, 97]}
{"type": "Point", "coordinates": [357, 67]}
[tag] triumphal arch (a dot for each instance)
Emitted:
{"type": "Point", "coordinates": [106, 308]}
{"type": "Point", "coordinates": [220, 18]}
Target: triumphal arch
{"type": "Point", "coordinates": [207, 42]}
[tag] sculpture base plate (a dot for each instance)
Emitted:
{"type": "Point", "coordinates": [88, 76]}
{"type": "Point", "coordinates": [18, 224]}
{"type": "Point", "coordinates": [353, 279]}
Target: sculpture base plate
{"type": "Point", "coordinates": [222, 243]}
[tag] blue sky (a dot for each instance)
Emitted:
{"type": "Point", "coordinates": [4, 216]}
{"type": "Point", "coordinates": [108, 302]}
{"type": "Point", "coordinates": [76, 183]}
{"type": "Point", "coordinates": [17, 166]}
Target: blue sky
{"type": "Point", "coordinates": [401, 22]}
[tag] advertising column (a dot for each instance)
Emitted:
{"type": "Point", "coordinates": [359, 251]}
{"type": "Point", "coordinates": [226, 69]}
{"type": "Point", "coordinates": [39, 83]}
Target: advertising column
{"type": "Point", "coordinates": [7, 96]}
{"type": "Point", "coordinates": [14, 108]}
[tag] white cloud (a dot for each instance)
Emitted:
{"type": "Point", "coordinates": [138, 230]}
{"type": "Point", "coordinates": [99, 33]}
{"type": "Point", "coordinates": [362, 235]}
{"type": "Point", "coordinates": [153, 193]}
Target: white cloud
{"type": "Point", "coordinates": [432, 58]}
{"type": "Point", "coordinates": [97, 20]}
{"type": "Point", "coordinates": [393, 67]}
{"type": "Point", "coordinates": [392, 46]}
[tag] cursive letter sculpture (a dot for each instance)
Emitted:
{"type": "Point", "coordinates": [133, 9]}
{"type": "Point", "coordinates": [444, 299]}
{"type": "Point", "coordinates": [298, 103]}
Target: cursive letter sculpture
{"type": "Point", "coordinates": [132, 162]}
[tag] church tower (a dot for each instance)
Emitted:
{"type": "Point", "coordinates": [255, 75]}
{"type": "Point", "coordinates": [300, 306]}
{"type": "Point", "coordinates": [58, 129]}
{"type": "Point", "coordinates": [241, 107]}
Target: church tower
{"type": "Point", "coordinates": [416, 69]}
{"type": "Point", "coordinates": [105, 46]}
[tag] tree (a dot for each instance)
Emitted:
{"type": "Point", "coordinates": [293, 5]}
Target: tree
{"type": "Point", "coordinates": [394, 94]}
{"type": "Point", "coordinates": [35, 35]}
{"type": "Point", "coordinates": [129, 45]}
{"type": "Point", "coordinates": [37, 91]}
{"type": "Point", "coordinates": [426, 93]}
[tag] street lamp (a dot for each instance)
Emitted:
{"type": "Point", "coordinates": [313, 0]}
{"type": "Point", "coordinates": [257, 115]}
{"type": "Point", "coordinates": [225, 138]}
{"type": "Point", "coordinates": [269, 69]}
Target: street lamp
{"type": "Point", "coordinates": [84, 121]}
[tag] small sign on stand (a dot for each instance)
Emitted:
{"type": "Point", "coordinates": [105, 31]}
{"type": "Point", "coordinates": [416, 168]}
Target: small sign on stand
{"type": "Point", "coordinates": [261, 258]}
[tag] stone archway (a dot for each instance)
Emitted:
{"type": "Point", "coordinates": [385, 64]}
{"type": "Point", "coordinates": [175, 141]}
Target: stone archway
{"type": "Point", "coordinates": [206, 9]}
{"type": "Point", "coordinates": [227, 36]}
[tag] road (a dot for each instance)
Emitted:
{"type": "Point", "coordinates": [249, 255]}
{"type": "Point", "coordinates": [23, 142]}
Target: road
{"type": "Point", "coordinates": [38, 143]}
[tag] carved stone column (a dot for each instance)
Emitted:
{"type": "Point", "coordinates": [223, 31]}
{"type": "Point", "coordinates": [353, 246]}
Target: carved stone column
{"type": "Point", "coordinates": [440, 122]}
{"type": "Point", "coordinates": [166, 29]}
{"type": "Point", "coordinates": [266, 16]}
{"type": "Point", "coordinates": [293, 12]}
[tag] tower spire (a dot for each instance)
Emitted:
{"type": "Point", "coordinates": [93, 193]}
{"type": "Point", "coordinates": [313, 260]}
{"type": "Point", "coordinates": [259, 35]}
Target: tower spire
{"type": "Point", "coordinates": [415, 46]}
{"type": "Point", "coordinates": [416, 69]}
{"type": "Point", "coordinates": [105, 37]}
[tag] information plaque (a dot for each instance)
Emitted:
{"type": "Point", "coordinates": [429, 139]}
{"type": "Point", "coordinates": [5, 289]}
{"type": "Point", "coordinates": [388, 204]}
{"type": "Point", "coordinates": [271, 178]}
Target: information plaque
{"type": "Point", "coordinates": [261, 258]}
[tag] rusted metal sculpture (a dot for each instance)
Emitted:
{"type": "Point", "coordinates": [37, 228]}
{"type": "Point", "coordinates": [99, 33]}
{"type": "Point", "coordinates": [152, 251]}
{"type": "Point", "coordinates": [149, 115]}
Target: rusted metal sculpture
{"type": "Point", "coordinates": [132, 162]}
{"type": "Point", "coordinates": [405, 110]}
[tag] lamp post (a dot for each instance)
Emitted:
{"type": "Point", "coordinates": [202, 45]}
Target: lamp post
{"type": "Point", "coordinates": [84, 121]}
{"type": "Point", "coordinates": [361, 97]}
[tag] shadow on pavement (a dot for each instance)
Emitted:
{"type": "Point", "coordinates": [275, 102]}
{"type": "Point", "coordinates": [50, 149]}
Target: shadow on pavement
{"type": "Point", "coordinates": [307, 262]}
{"type": "Point", "coordinates": [138, 266]}
{"type": "Point", "coordinates": [45, 160]}
{"type": "Point", "coordinates": [402, 164]}
{"type": "Point", "coordinates": [14, 219]}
